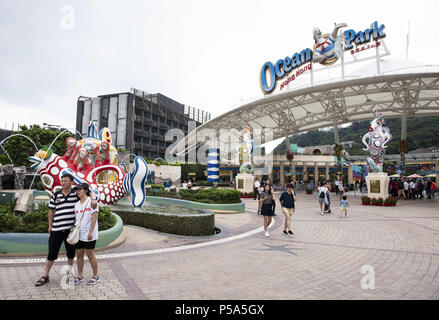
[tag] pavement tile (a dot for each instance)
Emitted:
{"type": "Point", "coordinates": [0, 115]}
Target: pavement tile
{"type": "Point", "coordinates": [323, 260]}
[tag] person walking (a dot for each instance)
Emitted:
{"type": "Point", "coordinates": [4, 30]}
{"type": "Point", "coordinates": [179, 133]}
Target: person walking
{"type": "Point", "coordinates": [341, 190]}
{"type": "Point", "coordinates": [322, 196]}
{"type": "Point", "coordinates": [287, 201]}
{"type": "Point", "coordinates": [267, 207]}
{"type": "Point", "coordinates": [88, 233]}
{"type": "Point", "coordinates": [361, 185]}
{"type": "Point", "coordinates": [400, 188]}
{"type": "Point", "coordinates": [344, 204]}
{"type": "Point", "coordinates": [327, 198]}
{"type": "Point", "coordinates": [337, 183]}
{"type": "Point", "coordinates": [428, 188]}
{"type": "Point", "coordinates": [412, 190]}
{"type": "Point", "coordinates": [256, 185]}
{"type": "Point", "coordinates": [61, 219]}
{"type": "Point", "coordinates": [421, 187]}
{"type": "Point", "coordinates": [406, 189]}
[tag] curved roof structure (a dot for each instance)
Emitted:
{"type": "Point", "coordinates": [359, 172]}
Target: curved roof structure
{"type": "Point", "coordinates": [400, 88]}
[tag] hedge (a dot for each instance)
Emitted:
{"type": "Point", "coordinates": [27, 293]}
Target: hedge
{"type": "Point", "coordinates": [211, 195]}
{"type": "Point", "coordinates": [37, 220]}
{"type": "Point", "coordinates": [155, 186]}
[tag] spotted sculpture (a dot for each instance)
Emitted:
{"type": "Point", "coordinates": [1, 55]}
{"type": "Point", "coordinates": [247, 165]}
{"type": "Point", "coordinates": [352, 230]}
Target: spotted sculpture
{"type": "Point", "coordinates": [376, 141]}
{"type": "Point", "coordinates": [93, 160]}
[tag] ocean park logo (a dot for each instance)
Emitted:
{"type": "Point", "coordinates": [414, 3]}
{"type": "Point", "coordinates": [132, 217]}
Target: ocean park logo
{"type": "Point", "coordinates": [326, 51]}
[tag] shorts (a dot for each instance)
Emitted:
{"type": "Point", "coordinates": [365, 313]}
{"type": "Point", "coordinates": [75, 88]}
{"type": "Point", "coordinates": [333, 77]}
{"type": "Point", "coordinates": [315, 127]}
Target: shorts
{"type": "Point", "coordinates": [89, 245]}
{"type": "Point", "coordinates": [344, 210]}
{"type": "Point", "coordinates": [321, 200]}
{"type": "Point", "coordinates": [267, 210]}
{"type": "Point", "coordinates": [287, 210]}
{"type": "Point", "coordinates": [56, 239]}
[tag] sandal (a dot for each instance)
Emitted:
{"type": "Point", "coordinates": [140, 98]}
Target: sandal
{"type": "Point", "coordinates": [42, 281]}
{"type": "Point", "coordinates": [77, 280]}
{"type": "Point", "coordinates": [93, 280]}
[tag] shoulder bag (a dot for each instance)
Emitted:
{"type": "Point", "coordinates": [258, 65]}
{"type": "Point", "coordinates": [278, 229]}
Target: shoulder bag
{"type": "Point", "coordinates": [73, 237]}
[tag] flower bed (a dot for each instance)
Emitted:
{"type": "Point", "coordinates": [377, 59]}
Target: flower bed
{"type": "Point", "coordinates": [365, 201]}
{"type": "Point", "coordinates": [388, 202]}
{"type": "Point", "coordinates": [247, 195]}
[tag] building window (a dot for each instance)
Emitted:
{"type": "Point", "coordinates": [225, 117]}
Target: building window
{"type": "Point", "coordinates": [138, 112]}
{"type": "Point", "coordinates": [155, 117]}
{"type": "Point", "coordinates": [104, 113]}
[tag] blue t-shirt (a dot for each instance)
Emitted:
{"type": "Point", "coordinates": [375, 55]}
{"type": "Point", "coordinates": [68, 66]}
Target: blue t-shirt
{"type": "Point", "coordinates": [287, 200]}
{"type": "Point", "coordinates": [344, 203]}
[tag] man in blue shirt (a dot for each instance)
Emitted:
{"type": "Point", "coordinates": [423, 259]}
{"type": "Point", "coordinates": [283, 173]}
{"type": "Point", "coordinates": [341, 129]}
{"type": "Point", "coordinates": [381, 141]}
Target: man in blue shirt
{"type": "Point", "coordinates": [287, 200]}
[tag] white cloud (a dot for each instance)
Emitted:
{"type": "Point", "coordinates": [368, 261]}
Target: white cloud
{"type": "Point", "coordinates": [202, 53]}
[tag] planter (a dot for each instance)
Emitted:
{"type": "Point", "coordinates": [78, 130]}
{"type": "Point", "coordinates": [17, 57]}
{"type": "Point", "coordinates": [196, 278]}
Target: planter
{"type": "Point", "coordinates": [37, 243]}
{"type": "Point", "coordinates": [366, 203]}
{"type": "Point", "coordinates": [309, 192]}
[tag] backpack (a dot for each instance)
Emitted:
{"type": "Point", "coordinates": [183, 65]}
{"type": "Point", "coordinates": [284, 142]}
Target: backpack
{"type": "Point", "coordinates": [322, 195]}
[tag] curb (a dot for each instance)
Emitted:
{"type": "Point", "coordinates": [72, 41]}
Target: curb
{"type": "Point", "coordinates": [108, 239]}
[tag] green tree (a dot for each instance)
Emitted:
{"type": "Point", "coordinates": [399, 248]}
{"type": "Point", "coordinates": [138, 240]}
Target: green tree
{"type": "Point", "coordinates": [20, 148]}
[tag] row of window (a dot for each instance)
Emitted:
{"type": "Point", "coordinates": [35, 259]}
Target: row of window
{"type": "Point", "coordinates": [153, 142]}
{"type": "Point", "coordinates": [162, 132]}
{"type": "Point", "coordinates": [155, 117]}
{"type": "Point", "coordinates": [152, 155]}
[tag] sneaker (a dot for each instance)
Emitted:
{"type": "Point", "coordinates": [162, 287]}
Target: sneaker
{"type": "Point", "coordinates": [267, 234]}
{"type": "Point", "coordinates": [93, 281]}
{"type": "Point", "coordinates": [290, 232]}
{"type": "Point", "coordinates": [321, 212]}
{"type": "Point", "coordinates": [285, 232]}
{"type": "Point", "coordinates": [77, 280]}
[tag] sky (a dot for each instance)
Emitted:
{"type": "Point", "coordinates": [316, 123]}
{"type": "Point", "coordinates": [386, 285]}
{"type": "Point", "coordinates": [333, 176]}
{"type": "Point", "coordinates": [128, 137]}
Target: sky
{"type": "Point", "coordinates": [205, 54]}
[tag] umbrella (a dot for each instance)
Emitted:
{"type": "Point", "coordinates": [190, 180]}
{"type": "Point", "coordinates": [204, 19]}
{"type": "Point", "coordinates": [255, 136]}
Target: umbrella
{"type": "Point", "coordinates": [431, 176]}
{"type": "Point", "coordinates": [394, 176]}
{"type": "Point", "coordinates": [415, 175]}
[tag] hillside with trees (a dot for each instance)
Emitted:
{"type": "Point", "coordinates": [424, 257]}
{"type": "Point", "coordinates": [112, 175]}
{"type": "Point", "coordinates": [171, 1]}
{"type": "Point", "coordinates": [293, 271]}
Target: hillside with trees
{"type": "Point", "coordinates": [421, 133]}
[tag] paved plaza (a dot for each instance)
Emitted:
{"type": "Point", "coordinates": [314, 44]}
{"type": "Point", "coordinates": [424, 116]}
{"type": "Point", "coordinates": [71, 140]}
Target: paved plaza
{"type": "Point", "coordinates": [375, 253]}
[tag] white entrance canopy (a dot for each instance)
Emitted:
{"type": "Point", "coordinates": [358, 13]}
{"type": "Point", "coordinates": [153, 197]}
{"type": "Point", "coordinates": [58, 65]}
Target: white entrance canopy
{"type": "Point", "coordinates": [406, 92]}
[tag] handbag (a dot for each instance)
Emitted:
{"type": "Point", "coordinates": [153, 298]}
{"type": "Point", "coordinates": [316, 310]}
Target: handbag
{"type": "Point", "coordinates": [73, 237]}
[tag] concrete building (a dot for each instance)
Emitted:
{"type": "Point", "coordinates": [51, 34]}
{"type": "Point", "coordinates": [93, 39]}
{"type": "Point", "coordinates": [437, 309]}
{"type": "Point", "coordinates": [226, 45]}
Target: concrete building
{"type": "Point", "coordinates": [317, 163]}
{"type": "Point", "coordinates": [138, 121]}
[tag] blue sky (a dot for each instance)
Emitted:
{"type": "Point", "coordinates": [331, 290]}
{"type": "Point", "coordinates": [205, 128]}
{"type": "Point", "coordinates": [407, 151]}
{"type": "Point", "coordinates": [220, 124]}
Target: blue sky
{"type": "Point", "coordinates": [206, 54]}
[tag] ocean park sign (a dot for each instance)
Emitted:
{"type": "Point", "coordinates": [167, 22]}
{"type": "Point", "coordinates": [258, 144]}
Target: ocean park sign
{"type": "Point", "coordinates": [326, 51]}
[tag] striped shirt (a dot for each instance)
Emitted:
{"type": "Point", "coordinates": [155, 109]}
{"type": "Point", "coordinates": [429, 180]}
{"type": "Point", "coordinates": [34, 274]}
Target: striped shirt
{"type": "Point", "coordinates": [64, 207]}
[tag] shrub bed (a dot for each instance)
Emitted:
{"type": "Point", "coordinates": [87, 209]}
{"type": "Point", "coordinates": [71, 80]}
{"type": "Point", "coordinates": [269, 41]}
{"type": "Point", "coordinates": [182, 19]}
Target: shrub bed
{"type": "Point", "coordinates": [211, 195]}
{"type": "Point", "coordinates": [36, 221]}
{"type": "Point", "coordinates": [219, 196]}
{"type": "Point", "coordinates": [155, 186]}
